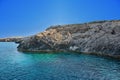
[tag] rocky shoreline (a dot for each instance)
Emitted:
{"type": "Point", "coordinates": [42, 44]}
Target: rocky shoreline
{"type": "Point", "coordinates": [99, 37]}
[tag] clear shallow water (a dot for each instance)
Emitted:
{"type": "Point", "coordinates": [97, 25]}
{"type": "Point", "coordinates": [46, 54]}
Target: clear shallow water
{"type": "Point", "coordinates": [15, 65]}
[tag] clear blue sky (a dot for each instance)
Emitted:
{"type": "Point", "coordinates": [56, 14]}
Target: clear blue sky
{"type": "Point", "coordinates": [27, 17]}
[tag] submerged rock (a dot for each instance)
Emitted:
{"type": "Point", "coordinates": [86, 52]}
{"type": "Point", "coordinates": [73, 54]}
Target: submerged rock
{"type": "Point", "coordinates": [100, 37]}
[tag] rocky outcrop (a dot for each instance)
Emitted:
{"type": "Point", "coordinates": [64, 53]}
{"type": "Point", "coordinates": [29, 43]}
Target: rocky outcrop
{"type": "Point", "coordinates": [100, 37]}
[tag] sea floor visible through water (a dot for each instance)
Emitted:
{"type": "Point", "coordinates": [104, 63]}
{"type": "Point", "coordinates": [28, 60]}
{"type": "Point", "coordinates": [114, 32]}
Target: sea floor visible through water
{"type": "Point", "coordinates": [16, 65]}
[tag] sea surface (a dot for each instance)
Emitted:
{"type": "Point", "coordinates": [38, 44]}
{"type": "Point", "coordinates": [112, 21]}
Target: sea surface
{"type": "Point", "coordinates": [16, 65]}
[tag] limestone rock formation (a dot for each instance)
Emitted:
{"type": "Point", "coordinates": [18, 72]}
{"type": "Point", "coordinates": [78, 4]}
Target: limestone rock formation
{"type": "Point", "coordinates": [100, 37]}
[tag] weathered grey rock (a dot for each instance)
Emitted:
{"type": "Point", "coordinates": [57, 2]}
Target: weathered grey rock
{"type": "Point", "coordinates": [100, 37]}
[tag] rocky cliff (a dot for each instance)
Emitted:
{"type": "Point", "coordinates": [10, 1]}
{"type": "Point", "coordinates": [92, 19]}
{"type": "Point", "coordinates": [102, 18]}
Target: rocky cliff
{"type": "Point", "coordinates": [99, 37]}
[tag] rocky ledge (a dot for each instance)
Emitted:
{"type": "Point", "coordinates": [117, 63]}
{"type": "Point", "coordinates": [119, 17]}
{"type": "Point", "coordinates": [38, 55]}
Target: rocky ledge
{"type": "Point", "coordinates": [99, 37]}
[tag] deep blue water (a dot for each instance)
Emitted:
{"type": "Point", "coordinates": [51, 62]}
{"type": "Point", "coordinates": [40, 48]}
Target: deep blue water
{"type": "Point", "coordinates": [16, 65]}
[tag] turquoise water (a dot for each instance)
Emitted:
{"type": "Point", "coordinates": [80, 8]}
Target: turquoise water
{"type": "Point", "coordinates": [16, 65]}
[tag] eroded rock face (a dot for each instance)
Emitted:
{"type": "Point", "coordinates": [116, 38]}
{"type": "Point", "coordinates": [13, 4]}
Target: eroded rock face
{"type": "Point", "coordinates": [102, 37]}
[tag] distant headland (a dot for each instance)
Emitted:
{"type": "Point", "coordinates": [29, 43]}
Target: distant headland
{"type": "Point", "coordinates": [11, 39]}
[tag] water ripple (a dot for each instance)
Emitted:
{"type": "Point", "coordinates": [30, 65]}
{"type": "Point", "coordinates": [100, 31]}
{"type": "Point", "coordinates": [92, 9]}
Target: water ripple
{"type": "Point", "coordinates": [60, 66]}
